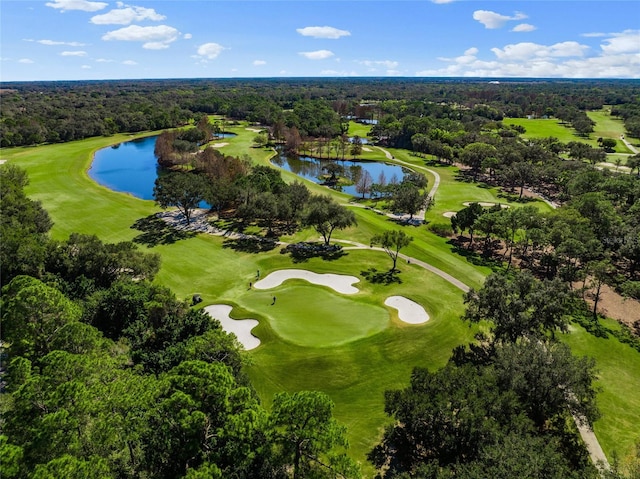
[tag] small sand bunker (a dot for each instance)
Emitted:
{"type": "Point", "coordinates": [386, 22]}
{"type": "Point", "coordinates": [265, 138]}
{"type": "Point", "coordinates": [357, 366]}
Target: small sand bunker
{"type": "Point", "coordinates": [256, 130]}
{"type": "Point", "coordinates": [408, 311]}
{"type": "Point", "coordinates": [240, 327]}
{"type": "Point", "coordinates": [338, 282]}
{"type": "Point", "coordinates": [364, 148]}
{"type": "Point", "coordinates": [218, 145]}
{"type": "Point", "coordinates": [449, 214]}
{"type": "Point", "coordinates": [483, 203]}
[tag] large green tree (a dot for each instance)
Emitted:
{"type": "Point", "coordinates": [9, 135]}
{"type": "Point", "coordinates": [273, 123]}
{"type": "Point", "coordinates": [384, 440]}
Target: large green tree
{"type": "Point", "coordinates": [392, 242]}
{"type": "Point", "coordinates": [325, 216]}
{"type": "Point", "coordinates": [519, 305]}
{"type": "Point", "coordinates": [308, 437]}
{"type": "Point", "coordinates": [185, 191]}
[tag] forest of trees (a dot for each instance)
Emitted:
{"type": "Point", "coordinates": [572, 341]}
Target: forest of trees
{"type": "Point", "coordinates": [38, 112]}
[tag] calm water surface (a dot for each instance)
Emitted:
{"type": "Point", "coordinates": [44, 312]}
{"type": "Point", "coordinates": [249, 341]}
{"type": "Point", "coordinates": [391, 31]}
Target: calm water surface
{"type": "Point", "coordinates": [131, 167]}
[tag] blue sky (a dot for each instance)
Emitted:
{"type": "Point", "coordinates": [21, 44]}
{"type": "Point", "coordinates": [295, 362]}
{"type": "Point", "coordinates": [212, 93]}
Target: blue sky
{"type": "Point", "coordinates": [86, 39]}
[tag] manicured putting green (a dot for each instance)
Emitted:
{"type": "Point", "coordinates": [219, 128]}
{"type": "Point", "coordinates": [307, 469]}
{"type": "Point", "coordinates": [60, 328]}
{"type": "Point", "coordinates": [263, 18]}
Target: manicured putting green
{"type": "Point", "coordinates": [310, 316]}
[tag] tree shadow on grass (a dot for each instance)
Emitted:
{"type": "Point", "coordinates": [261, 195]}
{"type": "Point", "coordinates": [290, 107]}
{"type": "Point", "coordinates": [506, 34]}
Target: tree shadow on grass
{"type": "Point", "coordinates": [156, 231]}
{"type": "Point", "coordinates": [230, 224]}
{"type": "Point", "coordinates": [381, 277]}
{"type": "Point", "coordinates": [250, 245]}
{"type": "Point", "coordinates": [301, 252]}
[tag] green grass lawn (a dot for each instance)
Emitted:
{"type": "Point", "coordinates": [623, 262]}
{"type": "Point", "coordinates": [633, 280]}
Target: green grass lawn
{"type": "Point", "coordinates": [618, 365]}
{"type": "Point", "coordinates": [606, 127]}
{"type": "Point", "coordinates": [323, 319]}
{"type": "Point", "coordinates": [369, 356]}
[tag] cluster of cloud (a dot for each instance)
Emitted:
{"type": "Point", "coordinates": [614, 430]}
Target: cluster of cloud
{"type": "Point", "coordinates": [83, 5]}
{"type": "Point", "coordinates": [618, 57]}
{"type": "Point", "coordinates": [332, 33]}
{"type": "Point", "coordinates": [157, 37]}
{"type": "Point", "coordinates": [493, 20]}
{"type": "Point", "coordinates": [325, 32]}
{"type": "Point", "coordinates": [125, 15]}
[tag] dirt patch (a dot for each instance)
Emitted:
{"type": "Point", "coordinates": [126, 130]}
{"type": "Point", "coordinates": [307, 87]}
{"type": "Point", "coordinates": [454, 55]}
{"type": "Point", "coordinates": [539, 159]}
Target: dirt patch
{"type": "Point", "coordinates": [615, 306]}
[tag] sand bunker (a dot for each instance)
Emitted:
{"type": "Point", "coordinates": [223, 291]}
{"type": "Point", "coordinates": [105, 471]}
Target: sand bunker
{"type": "Point", "coordinates": [255, 130]}
{"type": "Point", "coordinates": [482, 203]}
{"type": "Point", "coordinates": [408, 311]}
{"type": "Point", "coordinates": [338, 282]}
{"type": "Point", "coordinates": [218, 145]}
{"type": "Point", "coordinates": [449, 214]}
{"type": "Point", "coordinates": [240, 327]}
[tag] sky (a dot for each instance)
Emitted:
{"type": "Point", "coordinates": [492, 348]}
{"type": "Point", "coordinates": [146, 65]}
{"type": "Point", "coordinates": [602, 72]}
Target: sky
{"type": "Point", "coordinates": [100, 40]}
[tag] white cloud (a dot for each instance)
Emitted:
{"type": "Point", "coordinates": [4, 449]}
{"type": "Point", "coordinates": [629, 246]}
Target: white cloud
{"type": "Point", "coordinates": [442, 1]}
{"type": "Point", "coordinates": [619, 57]}
{"type": "Point", "coordinates": [54, 43]}
{"type": "Point", "coordinates": [210, 51]}
{"type": "Point", "coordinates": [494, 20]}
{"type": "Point", "coordinates": [259, 63]}
{"type": "Point", "coordinates": [317, 55]}
{"type": "Point", "coordinates": [154, 38]}
{"type": "Point", "coordinates": [78, 53]}
{"type": "Point", "coordinates": [388, 64]}
{"type": "Point", "coordinates": [83, 5]}
{"type": "Point", "coordinates": [129, 62]}
{"type": "Point", "coordinates": [625, 42]}
{"type": "Point", "coordinates": [523, 27]}
{"type": "Point", "coordinates": [527, 50]}
{"type": "Point", "coordinates": [25, 60]}
{"type": "Point", "coordinates": [126, 16]}
{"type": "Point", "coordinates": [86, 67]}
{"type": "Point", "coordinates": [187, 36]}
{"type": "Point", "coordinates": [323, 32]}
{"type": "Point", "coordinates": [104, 60]}
{"type": "Point", "coordinates": [594, 34]}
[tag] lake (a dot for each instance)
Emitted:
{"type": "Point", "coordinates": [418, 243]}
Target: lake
{"type": "Point", "coordinates": [131, 167]}
{"type": "Point", "coordinates": [313, 168]}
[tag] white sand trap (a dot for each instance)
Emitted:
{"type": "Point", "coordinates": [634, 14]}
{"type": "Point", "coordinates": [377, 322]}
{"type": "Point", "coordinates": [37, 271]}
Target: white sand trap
{"type": "Point", "coordinates": [219, 145]}
{"type": "Point", "coordinates": [338, 282]}
{"type": "Point", "coordinates": [2, 162]}
{"type": "Point", "coordinates": [482, 203]}
{"type": "Point", "coordinates": [255, 130]}
{"type": "Point", "coordinates": [364, 148]}
{"type": "Point", "coordinates": [240, 327]}
{"type": "Point", "coordinates": [449, 214]}
{"type": "Point", "coordinates": [408, 311]}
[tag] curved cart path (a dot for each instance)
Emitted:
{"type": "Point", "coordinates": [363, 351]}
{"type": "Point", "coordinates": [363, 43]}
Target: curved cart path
{"type": "Point", "coordinates": [432, 192]}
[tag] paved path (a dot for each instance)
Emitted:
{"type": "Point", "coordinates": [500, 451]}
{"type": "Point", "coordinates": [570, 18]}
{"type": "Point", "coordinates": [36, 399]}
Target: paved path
{"type": "Point", "coordinates": [446, 276]}
{"type": "Point", "coordinates": [432, 192]}
{"type": "Point", "coordinates": [629, 145]}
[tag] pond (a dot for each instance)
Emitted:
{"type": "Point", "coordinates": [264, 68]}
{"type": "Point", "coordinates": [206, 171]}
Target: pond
{"type": "Point", "coordinates": [131, 167]}
{"type": "Point", "coordinates": [313, 169]}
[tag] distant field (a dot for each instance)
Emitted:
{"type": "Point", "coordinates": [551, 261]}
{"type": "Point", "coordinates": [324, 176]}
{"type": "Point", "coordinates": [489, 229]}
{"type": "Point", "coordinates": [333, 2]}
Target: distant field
{"type": "Point", "coordinates": [544, 128]}
{"type": "Point", "coordinates": [606, 127]}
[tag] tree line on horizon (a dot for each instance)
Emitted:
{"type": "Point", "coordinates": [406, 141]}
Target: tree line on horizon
{"type": "Point", "coordinates": [52, 112]}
